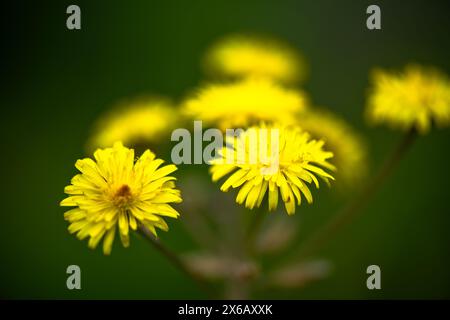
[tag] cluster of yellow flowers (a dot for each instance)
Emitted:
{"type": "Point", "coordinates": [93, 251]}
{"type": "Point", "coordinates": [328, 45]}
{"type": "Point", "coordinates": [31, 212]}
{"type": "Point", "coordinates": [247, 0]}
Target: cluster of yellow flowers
{"type": "Point", "coordinates": [115, 191]}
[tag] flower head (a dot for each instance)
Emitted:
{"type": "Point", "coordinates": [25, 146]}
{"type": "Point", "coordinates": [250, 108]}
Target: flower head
{"type": "Point", "coordinates": [143, 120]}
{"type": "Point", "coordinates": [415, 98]}
{"type": "Point", "coordinates": [350, 152]}
{"type": "Point", "coordinates": [115, 191]}
{"type": "Point", "coordinates": [243, 56]}
{"type": "Point", "coordinates": [245, 103]}
{"type": "Point", "coordinates": [265, 159]}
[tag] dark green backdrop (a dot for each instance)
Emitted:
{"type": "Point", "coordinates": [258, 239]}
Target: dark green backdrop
{"type": "Point", "coordinates": [58, 82]}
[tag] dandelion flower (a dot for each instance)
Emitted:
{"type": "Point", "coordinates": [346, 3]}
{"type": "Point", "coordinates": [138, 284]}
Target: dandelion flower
{"type": "Point", "coordinates": [115, 191]}
{"type": "Point", "coordinates": [416, 98]}
{"type": "Point", "coordinates": [349, 149]}
{"type": "Point", "coordinates": [245, 103]}
{"type": "Point", "coordinates": [144, 120]}
{"type": "Point", "coordinates": [242, 56]}
{"type": "Point", "coordinates": [265, 159]}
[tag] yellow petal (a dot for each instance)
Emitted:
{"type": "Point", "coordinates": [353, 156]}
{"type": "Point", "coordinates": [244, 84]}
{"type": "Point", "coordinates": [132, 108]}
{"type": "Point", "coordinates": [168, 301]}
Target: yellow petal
{"type": "Point", "coordinates": [318, 171]}
{"type": "Point", "coordinates": [273, 197]}
{"type": "Point", "coordinates": [125, 238]}
{"type": "Point", "coordinates": [232, 179]}
{"type": "Point", "coordinates": [253, 196]}
{"type": "Point", "coordinates": [243, 192]}
{"type": "Point", "coordinates": [93, 241]}
{"type": "Point", "coordinates": [164, 171]}
{"type": "Point", "coordinates": [123, 223]}
{"type": "Point", "coordinates": [262, 192]}
{"type": "Point", "coordinates": [108, 241]}
{"type": "Point", "coordinates": [69, 202]}
{"type": "Point", "coordinates": [305, 190]}
{"type": "Point", "coordinates": [133, 223]}
{"type": "Point", "coordinates": [74, 215]}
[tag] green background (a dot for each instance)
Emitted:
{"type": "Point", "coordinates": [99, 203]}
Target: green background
{"type": "Point", "coordinates": [60, 81]}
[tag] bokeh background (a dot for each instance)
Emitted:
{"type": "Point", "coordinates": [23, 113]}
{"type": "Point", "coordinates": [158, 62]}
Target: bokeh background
{"type": "Point", "coordinates": [59, 81]}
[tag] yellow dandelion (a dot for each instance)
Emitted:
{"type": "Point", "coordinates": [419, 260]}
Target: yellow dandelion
{"type": "Point", "coordinates": [245, 103]}
{"type": "Point", "coordinates": [142, 120]}
{"type": "Point", "coordinates": [114, 190]}
{"type": "Point", "coordinates": [348, 147]}
{"type": "Point", "coordinates": [265, 159]}
{"type": "Point", "coordinates": [243, 55]}
{"type": "Point", "coordinates": [416, 98]}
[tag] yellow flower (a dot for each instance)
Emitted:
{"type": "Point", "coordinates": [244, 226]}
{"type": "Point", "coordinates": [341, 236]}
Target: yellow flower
{"type": "Point", "coordinates": [265, 159]}
{"type": "Point", "coordinates": [415, 98]}
{"type": "Point", "coordinates": [114, 190]}
{"type": "Point", "coordinates": [245, 103]}
{"type": "Point", "coordinates": [242, 56]}
{"type": "Point", "coordinates": [144, 120]}
{"type": "Point", "coordinates": [350, 152]}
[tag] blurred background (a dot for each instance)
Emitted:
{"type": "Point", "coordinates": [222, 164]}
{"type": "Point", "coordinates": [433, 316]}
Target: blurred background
{"type": "Point", "coordinates": [58, 82]}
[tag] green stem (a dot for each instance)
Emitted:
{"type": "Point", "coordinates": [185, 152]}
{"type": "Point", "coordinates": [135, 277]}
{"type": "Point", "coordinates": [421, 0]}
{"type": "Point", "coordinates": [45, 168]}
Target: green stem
{"type": "Point", "coordinates": [350, 211]}
{"type": "Point", "coordinates": [254, 228]}
{"type": "Point", "coordinates": [174, 259]}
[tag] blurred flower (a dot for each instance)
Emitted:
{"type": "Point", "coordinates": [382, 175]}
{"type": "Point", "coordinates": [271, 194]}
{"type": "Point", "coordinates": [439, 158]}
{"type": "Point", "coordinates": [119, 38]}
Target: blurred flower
{"type": "Point", "coordinates": [116, 190]}
{"type": "Point", "coordinates": [245, 103]}
{"type": "Point", "coordinates": [244, 55]}
{"type": "Point", "coordinates": [350, 152]}
{"type": "Point", "coordinates": [143, 120]}
{"type": "Point", "coordinates": [299, 274]}
{"type": "Point", "coordinates": [219, 266]}
{"type": "Point", "coordinates": [276, 236]}
{"type": "Point", "coordinates": [415, 98]}
{"type": "Point", "coordinates": [287, 163]}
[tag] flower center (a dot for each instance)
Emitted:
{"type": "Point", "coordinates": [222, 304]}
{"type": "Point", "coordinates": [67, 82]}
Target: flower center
{"type": "Point", "coordinates": [122, 196]}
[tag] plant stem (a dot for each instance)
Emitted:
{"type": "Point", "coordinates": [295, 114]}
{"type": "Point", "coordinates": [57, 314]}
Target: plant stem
{"type": "Point", "coordinates": [174, 259]}
{"type": "Point", "coordinates": [349, 212]}
{"type": "Point", "coordinates": [254, 227]}
{"type": "Point", "coordinates": [236, 289]}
